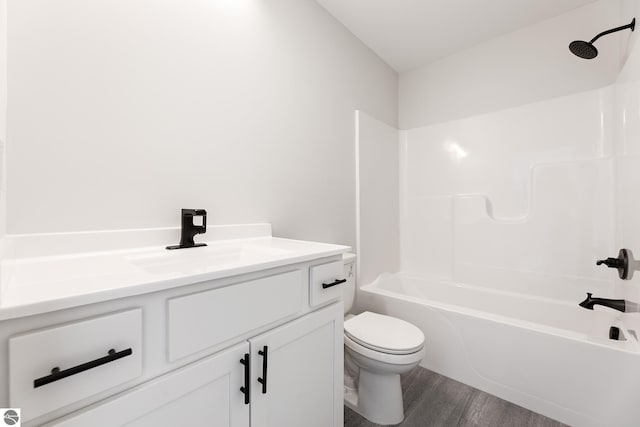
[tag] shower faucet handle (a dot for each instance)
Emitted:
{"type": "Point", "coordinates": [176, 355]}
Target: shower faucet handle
{"type": "Point", "coordinates": [611, 262]}
{"type": "Point", "coordinates": [624, 263]}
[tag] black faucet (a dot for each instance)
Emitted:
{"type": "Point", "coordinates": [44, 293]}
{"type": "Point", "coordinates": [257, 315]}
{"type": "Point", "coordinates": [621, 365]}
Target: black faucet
{"type": "Point", "coordinates": [625, 264]}
{"type": "Point", "coordinates": [189, 229]}
{"type": "Point", "coordinates": [616, 304]}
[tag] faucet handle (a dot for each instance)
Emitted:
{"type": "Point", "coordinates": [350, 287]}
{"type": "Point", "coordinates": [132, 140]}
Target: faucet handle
{"type": "Point", "coordinates": [193, 212]}
{"type": "Point", "coordinates": [190, 213]}
{"type": "Point", "coordinates": [201, 228]}
{"type": "Point", "coordinates": [609, 262]}
{"type": "Point", "coordinates": [624, 263]}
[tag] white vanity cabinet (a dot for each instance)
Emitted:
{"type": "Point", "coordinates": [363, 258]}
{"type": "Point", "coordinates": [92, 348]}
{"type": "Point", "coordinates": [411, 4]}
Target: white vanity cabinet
{"type": "Point", "coordinates": [304, 371]}
{"type": "Point", "coordinates": [204, 393]}
{"type": "Point", "coordinates": [262, 349]}
{"type": "Point", "coordinates": [54, 367]}
{"type": "Point", "coordinates": [294, 378]}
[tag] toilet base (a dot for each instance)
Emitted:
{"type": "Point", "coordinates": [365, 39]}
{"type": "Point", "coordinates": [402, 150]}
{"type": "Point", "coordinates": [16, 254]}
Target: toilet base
{"type": "Point", "coordinates": [378, 394]}
{"type": "Point", "coordinates": [378, 398]}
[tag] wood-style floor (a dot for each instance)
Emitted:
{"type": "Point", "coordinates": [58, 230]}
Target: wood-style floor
{"type": "Point", "coordinates": [432, 400]}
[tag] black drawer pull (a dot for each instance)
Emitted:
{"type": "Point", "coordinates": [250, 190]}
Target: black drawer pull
{"type": "Point", "coordinates": [247, 377]}
{"type": "Point", "coordinates": [337, 282]}
{"type": "Point", "coordinates": [264, 353]}
{"type": "Point", "coordinates": [57, 374]}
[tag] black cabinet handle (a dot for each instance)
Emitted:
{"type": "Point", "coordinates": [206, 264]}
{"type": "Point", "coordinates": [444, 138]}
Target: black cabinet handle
{"type": "Point", "coordinates": [337, 282]}
{"type": "Point", "coordinates": [264, 353]}
{"type": "Point", "coordinates": [247, 377]}
{"type": "Point", "coordinates": [57, 374]}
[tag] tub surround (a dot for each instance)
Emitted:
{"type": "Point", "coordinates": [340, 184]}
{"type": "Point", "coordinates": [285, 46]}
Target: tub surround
{"type": "Point", "coordinates": [550, 164]}
{"type": "Point", "coordinates": [46, 272]}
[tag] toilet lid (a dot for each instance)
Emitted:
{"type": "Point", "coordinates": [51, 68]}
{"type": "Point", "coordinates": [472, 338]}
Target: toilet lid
{"type": "Point", "coordinates": [384, 333]}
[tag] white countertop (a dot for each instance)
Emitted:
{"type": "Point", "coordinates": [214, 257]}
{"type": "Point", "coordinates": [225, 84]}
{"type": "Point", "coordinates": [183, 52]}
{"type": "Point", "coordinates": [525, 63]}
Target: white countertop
{"type": "Point", "coordinates": [35, 281]}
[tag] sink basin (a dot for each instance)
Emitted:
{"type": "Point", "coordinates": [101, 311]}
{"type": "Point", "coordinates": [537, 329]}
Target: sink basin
{"type": "Point", "coordinates": [204, 259]}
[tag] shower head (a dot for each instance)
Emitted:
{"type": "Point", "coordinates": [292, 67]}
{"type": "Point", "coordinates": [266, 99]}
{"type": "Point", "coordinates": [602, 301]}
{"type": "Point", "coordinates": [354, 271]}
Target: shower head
{"type": "Point", "coordinates": [587, 50]}
{"type": "Point", "coordinates": [583, 49]}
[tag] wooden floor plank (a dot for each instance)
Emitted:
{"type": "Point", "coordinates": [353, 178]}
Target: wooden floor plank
{"type": "Point", "coordinates": [445, 406]}
{"type": "Point", "coordinates": [432, 400]}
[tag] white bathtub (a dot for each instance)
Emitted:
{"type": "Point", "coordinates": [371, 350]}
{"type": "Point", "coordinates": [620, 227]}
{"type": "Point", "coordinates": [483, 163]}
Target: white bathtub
{"type": "Point", "coordinates": [554, 358]}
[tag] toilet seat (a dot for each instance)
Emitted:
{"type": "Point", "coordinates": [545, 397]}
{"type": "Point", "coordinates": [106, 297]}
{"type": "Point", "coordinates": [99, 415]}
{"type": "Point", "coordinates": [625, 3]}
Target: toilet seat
{"type": "Point", "coordinates": [384, 334]}
{"type": "Point", "coordinates": [391, 359]}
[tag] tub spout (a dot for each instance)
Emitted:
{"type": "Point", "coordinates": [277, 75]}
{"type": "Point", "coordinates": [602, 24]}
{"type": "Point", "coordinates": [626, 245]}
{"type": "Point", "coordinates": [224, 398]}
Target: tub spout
{"type": "Point", "coordinates": [616, 304]}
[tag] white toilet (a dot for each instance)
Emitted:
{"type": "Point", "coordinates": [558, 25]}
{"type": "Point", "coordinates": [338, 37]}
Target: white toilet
{"type": "Point", "coordinates": [378, 349]}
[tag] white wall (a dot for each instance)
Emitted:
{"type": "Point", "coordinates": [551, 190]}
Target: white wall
{"type": "Point", "coordinates": [122, 112]}
{"type": "Point", "coordinates": [631, 54]}
{"type": "Point", "coordinates": [3, 115]}
{"type": "Point", "coordinates": [378, 205]}
{"type": "Point", "coordinates": [528, 65]}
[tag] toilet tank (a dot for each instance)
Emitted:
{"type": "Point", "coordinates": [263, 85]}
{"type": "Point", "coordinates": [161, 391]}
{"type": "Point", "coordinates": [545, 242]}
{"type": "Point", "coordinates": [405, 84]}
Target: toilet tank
{"type": "Point", "coordinates": [349, 288]}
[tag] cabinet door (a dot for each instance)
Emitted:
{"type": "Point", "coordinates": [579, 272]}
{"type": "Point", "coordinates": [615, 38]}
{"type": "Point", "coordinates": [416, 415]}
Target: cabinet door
{"type": "Point", "coordinates": [304, 372]}
{"type": "Point", "coordinates": [204, 393]}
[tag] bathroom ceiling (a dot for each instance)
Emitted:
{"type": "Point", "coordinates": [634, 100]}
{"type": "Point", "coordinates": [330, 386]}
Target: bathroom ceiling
{"type": "Point", "coordinates": [410, 33]}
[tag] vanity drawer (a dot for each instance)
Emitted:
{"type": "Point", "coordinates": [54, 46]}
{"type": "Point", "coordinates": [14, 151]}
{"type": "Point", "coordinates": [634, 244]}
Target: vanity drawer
{"type": "Point", "coordinates": [82, 353]}
{"type": "Point", "coordinates": [326, 282]}
{"type": "Point", "coordinates": [208, 318]}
